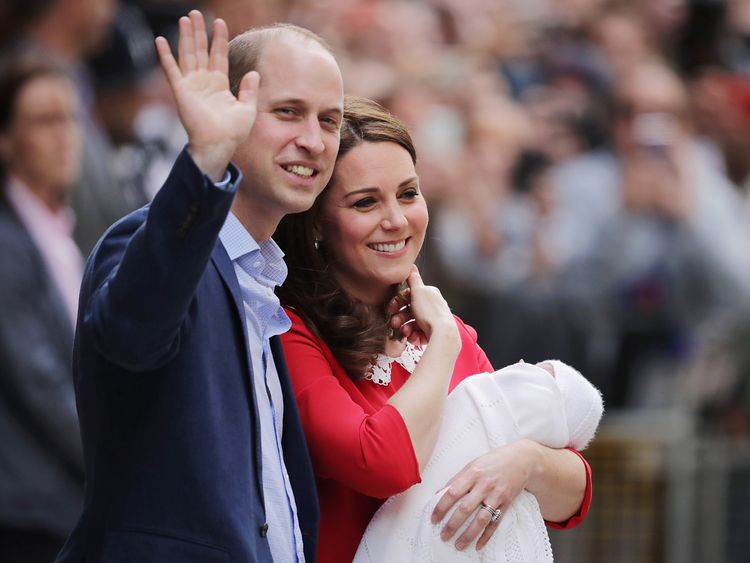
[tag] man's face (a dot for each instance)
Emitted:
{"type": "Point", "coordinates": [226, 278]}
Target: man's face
{"type": "Point", "coordinates": [43, 142]}
{"type": "Point", "coordinates": [289, 155]}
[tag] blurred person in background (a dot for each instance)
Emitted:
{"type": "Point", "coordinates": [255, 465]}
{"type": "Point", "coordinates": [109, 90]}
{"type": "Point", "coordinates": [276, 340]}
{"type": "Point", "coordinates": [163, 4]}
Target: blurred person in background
{"type": "Point", "coordinates": [135, 106]}
{"type": "Point", "coordinates": [735, 45]}
{"type": "Point", "coordinates": [721, 106]}
{"type": "Point", "coordinates": [70, 31]}
{"type": "Point", "coordinates": [621, 38]}
{"type": "Point", "coordinates": [499, 241]}
{"type": "Point", "coordinates": [15, 15]}
{"type": "Point", "coordinates": [41, 464]}
{"type": "Point", "coordinates": [676, 251]}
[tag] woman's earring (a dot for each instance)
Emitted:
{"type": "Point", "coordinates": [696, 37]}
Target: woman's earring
{"type": "Point", "coordinates": [316, 243]}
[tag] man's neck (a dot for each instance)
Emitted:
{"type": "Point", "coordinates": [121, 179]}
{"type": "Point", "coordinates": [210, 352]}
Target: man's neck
{"type": "Point", "coordinates": [261, 225]}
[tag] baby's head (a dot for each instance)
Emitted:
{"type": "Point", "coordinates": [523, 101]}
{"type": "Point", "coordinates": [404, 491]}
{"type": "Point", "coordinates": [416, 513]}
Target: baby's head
{"type": "Point", "coordinates": [583, 403]}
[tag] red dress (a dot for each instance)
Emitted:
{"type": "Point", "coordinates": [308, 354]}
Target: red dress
{"type": "Point", "coordinates": [360, 446]}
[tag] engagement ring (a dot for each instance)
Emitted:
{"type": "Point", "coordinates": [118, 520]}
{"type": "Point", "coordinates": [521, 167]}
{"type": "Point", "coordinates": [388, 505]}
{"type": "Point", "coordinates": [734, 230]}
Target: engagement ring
{"type": "Point", "coordinates": [494, 511]}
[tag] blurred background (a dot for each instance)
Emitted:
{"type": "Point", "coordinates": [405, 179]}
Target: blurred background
{"type": "Point", "coordinates": [587, 168]}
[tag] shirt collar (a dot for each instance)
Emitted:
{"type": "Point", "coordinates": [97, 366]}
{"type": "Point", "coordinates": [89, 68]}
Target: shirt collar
{"type": "Point", "coordinates": [33, 211]}
{"type": "Point", "coordinates": [238, 243]}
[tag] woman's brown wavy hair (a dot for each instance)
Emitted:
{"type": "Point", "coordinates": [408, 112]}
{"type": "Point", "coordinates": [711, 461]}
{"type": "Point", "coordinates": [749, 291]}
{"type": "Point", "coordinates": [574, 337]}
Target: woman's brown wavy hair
{"type": "Point", "coordinates": [355, 332]}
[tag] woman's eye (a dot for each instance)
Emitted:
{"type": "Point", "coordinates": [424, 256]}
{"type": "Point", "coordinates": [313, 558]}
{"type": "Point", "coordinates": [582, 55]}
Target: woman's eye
{"type": "Point", "coordinates": [411, 193]}
{"type": "Point", "coordinates": [364, 202]}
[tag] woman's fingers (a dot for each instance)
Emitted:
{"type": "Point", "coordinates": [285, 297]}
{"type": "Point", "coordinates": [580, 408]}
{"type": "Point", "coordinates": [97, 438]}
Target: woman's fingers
{"type": "Point", "coordinates": [467, 508]}
{"type": "Point", "coordinates": [487, 534]}
{"type": "Point", "coordinates": [455, 491]}
{"type": "Point", "coordinates": [399, 301]}
{"type": "Point", "coordinates": [404, 316]}
{"type": "Point", "coordinates": [482, 520]}
{"type": "Point", "coordinates": [415, 279]}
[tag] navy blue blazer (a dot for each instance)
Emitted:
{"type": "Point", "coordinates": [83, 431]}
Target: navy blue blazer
{"type": "Point", "coordinates": [165, 395]}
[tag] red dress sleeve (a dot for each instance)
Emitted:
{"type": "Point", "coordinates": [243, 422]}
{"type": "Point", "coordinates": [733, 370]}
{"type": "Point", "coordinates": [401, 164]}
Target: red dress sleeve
{"type": "Point", "coordinates": [472, 358]}
{"type": "Point", "coordinates": [577, 518]}
{"type": "Point", "coordinates": [357, 440]}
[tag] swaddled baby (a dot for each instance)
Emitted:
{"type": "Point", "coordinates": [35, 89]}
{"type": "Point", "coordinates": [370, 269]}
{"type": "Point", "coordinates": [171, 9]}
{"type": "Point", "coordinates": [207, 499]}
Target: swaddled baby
{"type": "Point", "coordinates": [483, 412]}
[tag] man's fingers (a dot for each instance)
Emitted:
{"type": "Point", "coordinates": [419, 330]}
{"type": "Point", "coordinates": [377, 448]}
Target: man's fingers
{"type": "Point", "coordinates": [168, 62]}
{"type": "Point", "coordinates": [249, 87]}
{"type": "Point", "coordinates": [219, 47]}
{"type": "Point", "coordinates": [186, 46]}
{"type": "Point", "coordinates": [200, 39]}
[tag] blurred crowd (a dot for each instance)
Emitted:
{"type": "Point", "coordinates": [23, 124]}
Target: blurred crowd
{"type": "Point", "coordinates": [586, 164]}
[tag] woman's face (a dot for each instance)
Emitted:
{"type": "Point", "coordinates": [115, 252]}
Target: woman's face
{"type": "Point", "coordinates": [372, 221]}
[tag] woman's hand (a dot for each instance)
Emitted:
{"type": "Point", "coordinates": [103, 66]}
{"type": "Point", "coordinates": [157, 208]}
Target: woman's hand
{"type": "Point", "coordinates": [423, 316]}
{"type": "Point", "coordinates": [495, 479]}
{"type": "Point", "coordinates": [556, 477]}
{"type": "Point", "coordinates": [420, 312]}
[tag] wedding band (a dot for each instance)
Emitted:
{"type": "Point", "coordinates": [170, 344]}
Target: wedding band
{"type": "Point", "coordinates": [494, 511]}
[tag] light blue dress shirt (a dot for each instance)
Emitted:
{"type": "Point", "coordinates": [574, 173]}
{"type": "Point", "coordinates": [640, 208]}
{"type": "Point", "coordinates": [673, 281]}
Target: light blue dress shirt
{"type": "Point", "coordinates": [259, 269]}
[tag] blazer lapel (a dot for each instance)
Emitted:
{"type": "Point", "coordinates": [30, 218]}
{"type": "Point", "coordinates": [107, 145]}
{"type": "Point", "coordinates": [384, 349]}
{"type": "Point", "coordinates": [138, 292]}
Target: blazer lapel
{"type": "Point", "coordinates": [224, 265]}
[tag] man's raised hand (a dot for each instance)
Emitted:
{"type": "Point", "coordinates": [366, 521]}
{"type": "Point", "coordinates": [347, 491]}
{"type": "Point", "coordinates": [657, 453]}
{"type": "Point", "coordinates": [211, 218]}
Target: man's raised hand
{"type": "Point", "coordinates": [215, 120]}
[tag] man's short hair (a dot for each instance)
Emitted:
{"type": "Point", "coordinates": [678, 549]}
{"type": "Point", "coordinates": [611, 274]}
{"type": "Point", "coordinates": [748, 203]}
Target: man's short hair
{"type": "Point", "coordinates": [246, 48]}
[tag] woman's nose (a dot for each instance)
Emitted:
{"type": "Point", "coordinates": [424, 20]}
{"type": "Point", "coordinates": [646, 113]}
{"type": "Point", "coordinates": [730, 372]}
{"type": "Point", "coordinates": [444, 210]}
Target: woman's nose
{"type": "Point", "coordinates": [394, 218]}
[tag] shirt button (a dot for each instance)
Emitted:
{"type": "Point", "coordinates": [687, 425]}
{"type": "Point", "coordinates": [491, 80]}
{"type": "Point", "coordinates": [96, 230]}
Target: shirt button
{"type": "Point", "coordinates": [264, 530]}
{"type": "Point", "coordinates": [256, 264]}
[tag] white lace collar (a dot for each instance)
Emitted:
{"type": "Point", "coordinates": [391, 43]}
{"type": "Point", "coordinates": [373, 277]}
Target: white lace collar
{"type": "Point", "coordinates": [380, 371]}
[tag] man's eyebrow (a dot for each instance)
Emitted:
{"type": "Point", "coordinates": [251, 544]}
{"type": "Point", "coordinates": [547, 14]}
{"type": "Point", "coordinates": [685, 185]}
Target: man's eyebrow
{"type": "Point", "coordinates": [300, 102]}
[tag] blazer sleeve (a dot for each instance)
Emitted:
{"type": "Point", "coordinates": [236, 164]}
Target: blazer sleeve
{"type": "Point", "coordinates": [141, 277]}
{"type": "Point", "coordinates": [370, 452]}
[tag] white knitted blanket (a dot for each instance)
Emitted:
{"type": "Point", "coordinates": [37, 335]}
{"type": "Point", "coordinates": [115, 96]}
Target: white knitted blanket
{"type": "Point", "coordinates": [486, 411]}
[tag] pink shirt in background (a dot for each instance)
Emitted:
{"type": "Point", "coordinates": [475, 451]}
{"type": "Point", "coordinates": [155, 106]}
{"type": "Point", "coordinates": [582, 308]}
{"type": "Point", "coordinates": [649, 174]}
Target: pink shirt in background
{"type": "Point", "coordinates": [52, 234]}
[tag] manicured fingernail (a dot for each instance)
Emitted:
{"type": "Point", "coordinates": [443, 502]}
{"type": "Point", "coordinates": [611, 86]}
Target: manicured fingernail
{"type": "Point", "coordinates": [460, 545]}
